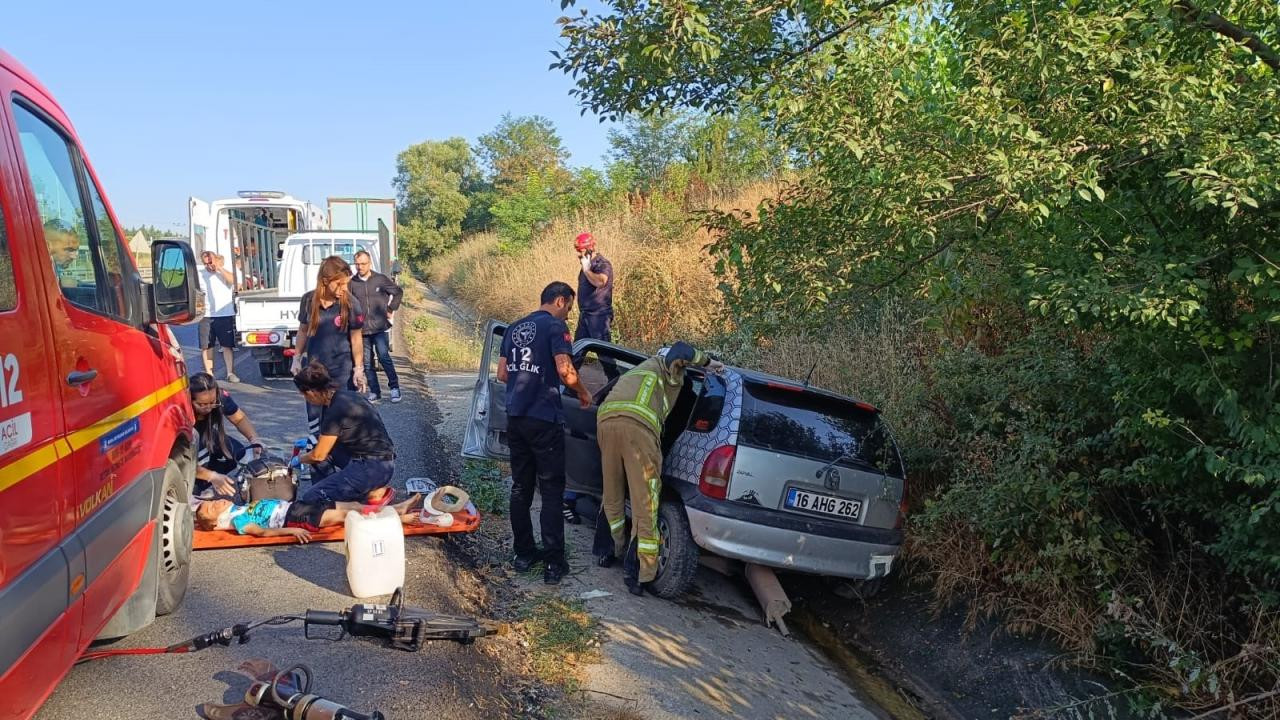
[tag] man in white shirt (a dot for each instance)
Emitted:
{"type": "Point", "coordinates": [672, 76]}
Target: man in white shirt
{"type": "Point", "coordinates": [219, 323]}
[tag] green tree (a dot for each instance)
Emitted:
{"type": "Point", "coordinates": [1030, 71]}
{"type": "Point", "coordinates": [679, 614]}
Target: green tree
{"type": "Point", "coordinates": [518, 214]}
{"type": "Point", "coordinates": [520, 148]}
{"type": "Point", "coordinates": [432, 182]}
{"type": "Point", "coordinates": [731, 150]}
{"type": "Point", "coordinates": [650, 145]}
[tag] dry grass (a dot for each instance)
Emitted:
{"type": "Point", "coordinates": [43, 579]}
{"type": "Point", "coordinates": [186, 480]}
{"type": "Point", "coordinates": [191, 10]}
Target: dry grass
{"type": "Point", "coordinates": [665, 286]}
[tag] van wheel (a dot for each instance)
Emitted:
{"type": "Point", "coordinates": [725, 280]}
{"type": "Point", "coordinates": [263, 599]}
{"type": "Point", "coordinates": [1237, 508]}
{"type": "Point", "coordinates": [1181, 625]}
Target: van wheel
{"type": "Point", "coordinates": [677, 553]}
{"type": "Point", "coordinates": [176, 525]}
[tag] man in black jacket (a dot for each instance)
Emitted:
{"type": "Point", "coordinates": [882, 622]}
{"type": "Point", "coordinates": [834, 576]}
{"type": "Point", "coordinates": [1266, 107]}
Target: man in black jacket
{"type": "Point", "coordinates": [380, 296]}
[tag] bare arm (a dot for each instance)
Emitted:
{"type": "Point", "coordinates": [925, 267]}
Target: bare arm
{"type": "Point", "coordinates": [357, 359]}
{"type": "Point", "coordinates": [227, 276]}
{"type": "Point", "coordinates": [243, 424]}
{"type": "Point", "coordinates": [502, 370]}
{"type": "Point", "coordinates": [320, 453]}
{"type": "Point", "coordinates": [300, 343]}
{"type": "Point", "coordinates": [258, 531]}
{"type": "Point", "coordinates": [569, 376]}
{"type": "Point", "coordinates": [595, 278]}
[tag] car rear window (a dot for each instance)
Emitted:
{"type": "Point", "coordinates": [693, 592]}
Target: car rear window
{"type": "Point", "coordinates": [818, 427]}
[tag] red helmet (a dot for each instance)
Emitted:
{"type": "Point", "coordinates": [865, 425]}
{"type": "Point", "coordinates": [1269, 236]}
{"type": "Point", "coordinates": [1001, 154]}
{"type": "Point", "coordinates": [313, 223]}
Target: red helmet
{"type": "Point", "coordinates": [584, 242]}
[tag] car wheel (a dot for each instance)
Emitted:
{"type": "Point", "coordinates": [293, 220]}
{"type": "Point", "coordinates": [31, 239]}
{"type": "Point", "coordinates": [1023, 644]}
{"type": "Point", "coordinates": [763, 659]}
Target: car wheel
{"type": "Point", "coordinates": [677, 553]}
{"type": "Point", "coordinates": [176, 526]}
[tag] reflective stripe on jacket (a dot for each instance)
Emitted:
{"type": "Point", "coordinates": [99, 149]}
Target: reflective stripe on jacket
{"type": "Point", "coordinates": [646, 393]}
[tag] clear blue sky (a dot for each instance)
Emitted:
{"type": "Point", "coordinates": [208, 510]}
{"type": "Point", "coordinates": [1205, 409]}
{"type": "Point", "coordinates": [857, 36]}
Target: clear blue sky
{"type": "Point", "coordinates": [177, 98]}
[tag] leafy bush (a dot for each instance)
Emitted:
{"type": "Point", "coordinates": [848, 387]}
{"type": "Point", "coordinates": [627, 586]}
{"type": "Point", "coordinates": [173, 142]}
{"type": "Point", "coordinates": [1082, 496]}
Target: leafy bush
{"type": "Point", "coordinates": [482, 479]}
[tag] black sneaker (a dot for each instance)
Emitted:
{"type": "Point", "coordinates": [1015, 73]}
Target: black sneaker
{"type": "Point", "coordinates": [570, 511]}
{"type": "Point", "coordinates": [553, 573]}
{"type": "Point", "coordinates": [605, 561]}
{"type": "Point", "coordinates": [635, 588]}
{"type": "Point", "coordinates": [522, 564]}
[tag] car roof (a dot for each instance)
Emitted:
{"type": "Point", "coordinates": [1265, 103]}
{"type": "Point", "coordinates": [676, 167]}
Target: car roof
{"type": "Point", "coordinates": [756, 376]}
{"type": "Point", "coordinates": [764, 377]}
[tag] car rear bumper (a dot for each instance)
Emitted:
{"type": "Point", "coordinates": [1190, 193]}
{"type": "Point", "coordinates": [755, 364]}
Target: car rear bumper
{"type": "Point", "coordinates": [832, 548]}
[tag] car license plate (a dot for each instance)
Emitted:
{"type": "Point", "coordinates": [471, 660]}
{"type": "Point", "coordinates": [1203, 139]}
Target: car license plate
{"type": "Point", "coordinates": [822, 503]}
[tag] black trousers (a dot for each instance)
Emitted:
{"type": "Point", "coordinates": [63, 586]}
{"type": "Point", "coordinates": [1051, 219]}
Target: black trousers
{"type": "Point", "coordinates": [596, 327]}
{"type": "Point", "coordinates": [537, 460]}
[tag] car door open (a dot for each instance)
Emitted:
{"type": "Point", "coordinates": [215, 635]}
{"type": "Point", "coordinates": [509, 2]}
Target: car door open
{"type": "Point", "coordinates": [581, 452]}
{"type": "Point", "coordinates": [486, 434]}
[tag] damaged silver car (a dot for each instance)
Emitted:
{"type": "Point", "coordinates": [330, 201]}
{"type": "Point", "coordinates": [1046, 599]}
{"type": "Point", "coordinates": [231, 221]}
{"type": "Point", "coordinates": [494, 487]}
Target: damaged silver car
{"type": "Point", "coordinates": [756, 468]}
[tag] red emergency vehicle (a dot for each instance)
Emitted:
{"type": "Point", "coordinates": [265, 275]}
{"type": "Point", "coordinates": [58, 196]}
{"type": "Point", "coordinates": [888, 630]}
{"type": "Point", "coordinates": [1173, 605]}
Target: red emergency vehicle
{"type": "Point", "coordinates": [96, 427]}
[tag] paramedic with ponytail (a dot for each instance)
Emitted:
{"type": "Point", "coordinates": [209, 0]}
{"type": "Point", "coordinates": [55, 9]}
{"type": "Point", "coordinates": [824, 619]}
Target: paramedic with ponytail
{"type": "Point", "coordinates": [330, 332]}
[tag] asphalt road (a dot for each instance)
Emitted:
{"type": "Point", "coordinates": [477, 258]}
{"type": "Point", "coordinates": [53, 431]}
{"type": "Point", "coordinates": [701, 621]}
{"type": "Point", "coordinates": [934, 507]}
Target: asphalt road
{"type": "Point", "coordinates": [231, 586]}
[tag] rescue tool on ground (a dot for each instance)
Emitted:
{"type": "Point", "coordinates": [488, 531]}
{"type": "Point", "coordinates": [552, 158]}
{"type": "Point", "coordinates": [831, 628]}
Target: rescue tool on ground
{"type": "Point", "coordinates": [281, 695]}
{"type": "Point", "coordinates": [402, 628]}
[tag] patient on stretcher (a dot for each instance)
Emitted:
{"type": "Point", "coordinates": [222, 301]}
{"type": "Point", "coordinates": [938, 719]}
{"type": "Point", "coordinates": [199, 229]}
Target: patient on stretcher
{"type": "Point", "coordinates": [276, 518]}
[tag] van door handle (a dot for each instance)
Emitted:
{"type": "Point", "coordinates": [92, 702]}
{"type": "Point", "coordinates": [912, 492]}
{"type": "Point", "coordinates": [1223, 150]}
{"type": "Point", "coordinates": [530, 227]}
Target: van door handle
{"type": "Point", "coordinates": [80, 377]}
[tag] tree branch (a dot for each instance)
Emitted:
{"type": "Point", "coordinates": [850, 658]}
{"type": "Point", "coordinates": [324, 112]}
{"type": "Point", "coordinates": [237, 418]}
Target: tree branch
{"type": "Point", "coordinates": [1238, 703]}
{"type": "Point", "coordinates": [1213, 21]}
{"type": "Point", "coordinates": [827, 37]}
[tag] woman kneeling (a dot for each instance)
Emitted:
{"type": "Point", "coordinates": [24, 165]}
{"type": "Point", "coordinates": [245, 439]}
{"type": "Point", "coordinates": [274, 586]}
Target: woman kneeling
{"type": "Point", "coordinates": [353, 456]}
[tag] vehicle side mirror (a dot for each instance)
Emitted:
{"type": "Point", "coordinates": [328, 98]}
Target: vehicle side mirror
{"type": "Point", "coordinates": [395, 267]}
{"type": "Point", "coordinates": [176, 297]}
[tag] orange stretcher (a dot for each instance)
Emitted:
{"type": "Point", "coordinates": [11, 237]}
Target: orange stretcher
{"type": "Point", "coordinates": [218, 539]}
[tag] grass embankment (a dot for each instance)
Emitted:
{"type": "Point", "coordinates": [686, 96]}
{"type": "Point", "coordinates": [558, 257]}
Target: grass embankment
{"type": "Point", "coordinates": [434, 340]}
{"type": "Point", "coordinates": [665, 286]}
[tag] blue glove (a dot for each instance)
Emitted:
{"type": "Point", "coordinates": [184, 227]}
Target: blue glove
{"type": "Point", "coordinates": [295, 461]}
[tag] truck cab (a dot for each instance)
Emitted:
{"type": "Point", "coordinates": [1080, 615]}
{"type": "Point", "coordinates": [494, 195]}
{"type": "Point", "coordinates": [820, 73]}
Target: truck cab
{"type": "Point", "coordinates": [96, 425]}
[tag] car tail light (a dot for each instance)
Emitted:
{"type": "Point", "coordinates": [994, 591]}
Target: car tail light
{"type": "Point", "coordinates": [262, 338]}
{"type": "Point", "coordinates": [716, 470]}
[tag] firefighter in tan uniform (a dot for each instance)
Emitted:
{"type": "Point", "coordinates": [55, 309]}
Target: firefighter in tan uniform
{"type": "Point", "coordinates": [629, 431]}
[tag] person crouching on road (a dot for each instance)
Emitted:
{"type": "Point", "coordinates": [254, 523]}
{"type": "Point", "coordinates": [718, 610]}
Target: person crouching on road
{"type": "Point", "coordinates": [629, 431]}
{"type": "Point", "coordinates": [330, 331]}
{"type": "Point", "coordinates": [353, 456]}
{"type": "Point", "coordinates": [217, 453]}
{"type": "Point", "coordinates": [380, 296]}
{"type": "Point", "coordinates": [536, 358]}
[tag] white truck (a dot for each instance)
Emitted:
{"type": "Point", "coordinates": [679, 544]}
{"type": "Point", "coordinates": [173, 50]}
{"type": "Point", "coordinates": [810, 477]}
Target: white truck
{"type": "Point", "coordinates": [249, 230]}
{"type": "Point", "coordinates": [267, 319]}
